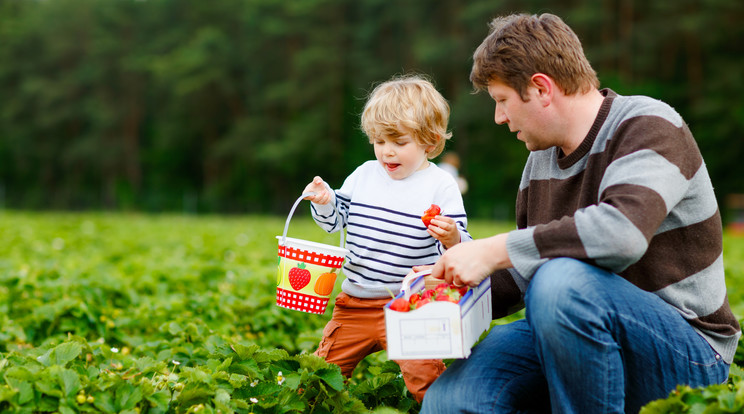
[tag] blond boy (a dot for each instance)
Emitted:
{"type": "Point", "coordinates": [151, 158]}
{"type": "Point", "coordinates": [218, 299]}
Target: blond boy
{"type": "Point", "coordinates": [380, 205]}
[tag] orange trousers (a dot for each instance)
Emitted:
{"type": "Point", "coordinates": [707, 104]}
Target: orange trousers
{"type": "Point", "coordinates": [357, 329]}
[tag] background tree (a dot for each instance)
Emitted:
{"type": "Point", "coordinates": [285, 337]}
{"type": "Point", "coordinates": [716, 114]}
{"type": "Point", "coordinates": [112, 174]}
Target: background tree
{"type": "Point", "coordinates": [233, 105]}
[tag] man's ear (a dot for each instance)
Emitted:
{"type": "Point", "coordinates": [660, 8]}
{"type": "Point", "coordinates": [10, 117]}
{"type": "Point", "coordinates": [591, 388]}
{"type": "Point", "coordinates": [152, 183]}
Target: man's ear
{"type": "Point", "coordinates": [545, 87]}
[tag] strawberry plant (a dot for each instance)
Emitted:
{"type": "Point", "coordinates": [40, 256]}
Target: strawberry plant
{"type": "Point", "coordinates": [133, 313]}
{"type": "Point", "coordinates": [151, 314]}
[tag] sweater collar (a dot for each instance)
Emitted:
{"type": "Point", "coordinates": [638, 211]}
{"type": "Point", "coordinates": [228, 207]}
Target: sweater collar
{"type": "Point", "coordinates": [586, 145]}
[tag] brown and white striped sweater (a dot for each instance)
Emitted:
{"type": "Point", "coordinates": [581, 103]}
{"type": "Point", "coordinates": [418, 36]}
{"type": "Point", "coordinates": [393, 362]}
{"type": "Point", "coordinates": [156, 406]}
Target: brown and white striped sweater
{"type": "Point", "coordinates": [634, 198]}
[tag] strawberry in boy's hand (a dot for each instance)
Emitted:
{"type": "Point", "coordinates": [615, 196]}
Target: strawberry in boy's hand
{"type": "Point", "coordinates": [430, 213]}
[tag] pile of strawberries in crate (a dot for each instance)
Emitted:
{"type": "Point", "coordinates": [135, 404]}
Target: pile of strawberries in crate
{"type": "Point", "coordinates": [442, 292]}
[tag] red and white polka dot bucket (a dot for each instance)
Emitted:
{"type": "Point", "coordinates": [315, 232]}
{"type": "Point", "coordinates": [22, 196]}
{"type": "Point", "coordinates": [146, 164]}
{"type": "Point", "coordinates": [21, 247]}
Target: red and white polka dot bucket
{"type": "Point", "coordinates": [307, 271]}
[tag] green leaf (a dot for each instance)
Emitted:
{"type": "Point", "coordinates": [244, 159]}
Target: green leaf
{"type": "Point", "coordinates": [222, 400]}
{"type": "Point", "coordinates": [24, 388]}
{"type": "Point", "coordinates": [245, 352]}
{"type": "Point", "coordinates": [224, 365]}
{"type": "Point", "coordinates": [247, 367]}
{"type": "Point", "coordinates": [217, 346]}
{"type": "Point", "coordinates": [7, 394]}
{"type": "Point", "coordinates": [174, 328]}
{"type": "Point", "coordinates": [105, 402]}
{"type": "Point", "coordinates": [237, 380]}
{"type": "Point", "coordinates": [47, 387]}
{"type": "Point", "coordinates": [332, 377]}
{"type": "Point", "coordinates": [191, 396]}
{"type": "Point", "coordinates": [735, 371]}
{"type": "Point", "coordinates": [159, 399]}
{"type": "Point", "coordinates": [46, 358]}
{"type": "Point", "coordinates": [292, 381]}
{"type": "Point", "coordinates": [64, 409]}
{"type": "Point", "coordinates": [68, 380]}
{"type": "Point", "coordinates": [65, 352]}
{"type": "Point", "coordinates": [19, 372]}
{"type": "Point", "coordinates": [127, 396]}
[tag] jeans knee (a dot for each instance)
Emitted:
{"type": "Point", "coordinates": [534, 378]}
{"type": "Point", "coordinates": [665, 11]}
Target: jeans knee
{"type": "Point", "coordinates": [437, 397]}
{"type": "Point", "coordinates": [555, 287]}
{"type": "Point", "coordinates": [553, 279]}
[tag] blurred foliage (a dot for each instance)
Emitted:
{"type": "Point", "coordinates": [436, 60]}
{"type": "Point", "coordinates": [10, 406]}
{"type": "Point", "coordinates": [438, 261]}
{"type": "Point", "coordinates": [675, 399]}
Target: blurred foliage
{"type": "Point", "coordinates": [234, 105]}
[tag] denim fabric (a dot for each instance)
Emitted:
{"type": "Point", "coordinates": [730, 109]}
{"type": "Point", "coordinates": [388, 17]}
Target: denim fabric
{"type": "Point", "coordinates": [591, 342]}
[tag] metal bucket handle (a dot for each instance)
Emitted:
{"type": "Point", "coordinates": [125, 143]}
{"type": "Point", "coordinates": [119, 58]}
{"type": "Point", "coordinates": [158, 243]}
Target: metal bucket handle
{"type": "Point", "coordinates": [291, 213]}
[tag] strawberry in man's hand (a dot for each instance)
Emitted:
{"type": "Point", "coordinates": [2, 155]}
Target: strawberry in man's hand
{"type": "Point", "coordinates": [299, 277]}
{"type": "Point", "coordinates": [430, 213]}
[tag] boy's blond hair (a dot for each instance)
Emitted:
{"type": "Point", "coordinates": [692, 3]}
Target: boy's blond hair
{"type": "Point", "coordinates": [408, 104]}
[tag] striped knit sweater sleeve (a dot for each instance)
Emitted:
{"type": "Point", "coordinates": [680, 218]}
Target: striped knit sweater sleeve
{"type": "Point", "coordinates": [384, 232]}
{"type": "Point", "coordinates": [635, 198]}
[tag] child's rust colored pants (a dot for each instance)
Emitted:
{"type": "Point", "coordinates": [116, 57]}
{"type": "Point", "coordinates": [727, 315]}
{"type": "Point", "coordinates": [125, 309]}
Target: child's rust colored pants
{"type": "Point", "coordinates": [357, 329]}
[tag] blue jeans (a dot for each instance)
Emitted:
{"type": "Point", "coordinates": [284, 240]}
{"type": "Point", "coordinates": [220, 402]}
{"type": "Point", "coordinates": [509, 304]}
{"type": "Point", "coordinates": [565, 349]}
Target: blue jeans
{"type": "Point", "coordinates": [591, 342]}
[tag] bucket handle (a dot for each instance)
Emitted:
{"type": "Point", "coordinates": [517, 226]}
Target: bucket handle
{"type": "Point", "coordinates": [291, 213]}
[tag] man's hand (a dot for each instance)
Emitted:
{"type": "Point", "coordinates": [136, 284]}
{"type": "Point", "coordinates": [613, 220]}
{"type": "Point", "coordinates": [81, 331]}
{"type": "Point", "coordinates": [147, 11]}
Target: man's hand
{"type": "Point", "coordinates": [317, 186]}
{"type": "Point", "coordinates": [469, 263]}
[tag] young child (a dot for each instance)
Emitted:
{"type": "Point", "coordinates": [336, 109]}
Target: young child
{"type": "Point", "coordinates": [380, 204]}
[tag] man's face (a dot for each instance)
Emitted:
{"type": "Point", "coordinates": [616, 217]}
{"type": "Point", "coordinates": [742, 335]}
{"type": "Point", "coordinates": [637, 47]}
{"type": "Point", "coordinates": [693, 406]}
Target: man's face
{"type": "Point", "coordinates": [522, 117]}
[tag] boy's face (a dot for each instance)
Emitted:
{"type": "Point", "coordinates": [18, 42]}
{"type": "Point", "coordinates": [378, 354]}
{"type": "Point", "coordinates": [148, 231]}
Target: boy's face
{"type": "Point", "coordinates": [400, 156]}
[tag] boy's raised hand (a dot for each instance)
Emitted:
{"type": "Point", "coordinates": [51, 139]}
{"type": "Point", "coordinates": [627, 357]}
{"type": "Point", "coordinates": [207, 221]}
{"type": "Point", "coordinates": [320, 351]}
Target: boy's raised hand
{"type": "Point", "coordinates": [445, 230]}
{"type": "Point", "coordinates": [317, 186]}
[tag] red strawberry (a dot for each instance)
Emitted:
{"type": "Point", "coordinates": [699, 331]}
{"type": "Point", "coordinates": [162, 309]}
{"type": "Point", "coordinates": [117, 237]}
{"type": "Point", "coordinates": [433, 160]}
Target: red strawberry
{"type": "Point", "coordinates": [442, 286]}
{"type": "Point", "coordinates": [400, 305]}
{"type": "Point", "coordinates": [414, 298]}
{"type": "Point", "coordinates": [463, 290]}
{"type": "Point", "coordinates": [445, 298]}
{"type": "Point", "coordinates": [422, 302]}
{"type": "Point", "coordinates": [299, 277]}
{"type": "Point", "coordinates": [428, 294]}
{"type": "Point", "coordinates": [430, 213]}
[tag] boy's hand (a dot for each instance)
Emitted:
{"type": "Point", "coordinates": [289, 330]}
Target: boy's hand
{"type": "Point", "coordinates": [445, 230]}
{"type": "Point", "coordinates": [317, 186]}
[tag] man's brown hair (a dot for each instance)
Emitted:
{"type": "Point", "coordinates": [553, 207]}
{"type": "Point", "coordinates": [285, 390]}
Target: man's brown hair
{"type": "Point", "coordinates": [520, 45]}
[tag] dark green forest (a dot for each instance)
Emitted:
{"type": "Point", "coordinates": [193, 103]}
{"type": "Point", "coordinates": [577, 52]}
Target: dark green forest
{"type": "Point", "coordinates": [232, 106]}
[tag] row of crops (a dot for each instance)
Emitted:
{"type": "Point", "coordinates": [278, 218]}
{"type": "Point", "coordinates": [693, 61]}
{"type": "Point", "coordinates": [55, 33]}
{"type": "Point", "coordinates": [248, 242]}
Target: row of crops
{"type": "Point", "coordinates": [130, 313]}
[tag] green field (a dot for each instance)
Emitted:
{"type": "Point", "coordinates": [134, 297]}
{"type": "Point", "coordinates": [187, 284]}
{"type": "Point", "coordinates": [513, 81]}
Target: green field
{"type": "Point", "coordinates": [169, 313]}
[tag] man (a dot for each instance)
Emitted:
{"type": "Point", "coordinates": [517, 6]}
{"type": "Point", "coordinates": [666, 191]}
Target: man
{"type": "Point", "coordinates": [617, 258]}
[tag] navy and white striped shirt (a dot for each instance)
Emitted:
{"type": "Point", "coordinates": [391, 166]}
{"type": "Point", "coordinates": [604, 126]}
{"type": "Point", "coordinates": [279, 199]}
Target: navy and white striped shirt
{"type": "Point", "coordinates": [384, 232]}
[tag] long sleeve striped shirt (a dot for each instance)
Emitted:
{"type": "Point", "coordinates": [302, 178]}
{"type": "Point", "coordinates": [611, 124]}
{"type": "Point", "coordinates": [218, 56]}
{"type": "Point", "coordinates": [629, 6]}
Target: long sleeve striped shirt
{"type": "Point", "coordinates": [634, 198]}
{"type": "Point", "coordinates": [384, 232]}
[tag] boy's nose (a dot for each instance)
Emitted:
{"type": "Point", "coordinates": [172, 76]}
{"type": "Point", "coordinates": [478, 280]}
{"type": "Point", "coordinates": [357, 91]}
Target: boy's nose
{"type": "Point", "coordinates": [499, 117]}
